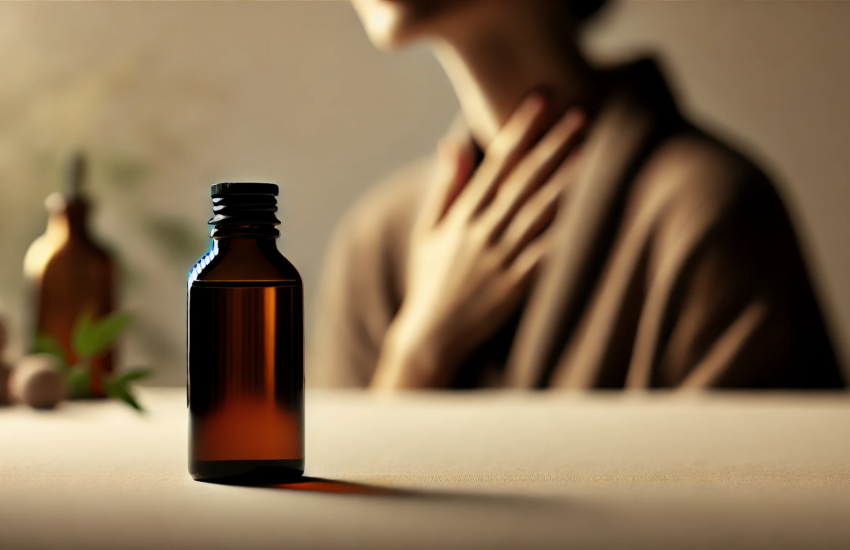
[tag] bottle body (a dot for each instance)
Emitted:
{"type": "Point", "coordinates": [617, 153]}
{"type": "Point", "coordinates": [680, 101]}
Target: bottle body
{"type": "Point", "coordinates": [70, 275]}
{"type": "Point", "coordinates": [246, 379]}
{"type": "Point", "coordinates": [245, 368]}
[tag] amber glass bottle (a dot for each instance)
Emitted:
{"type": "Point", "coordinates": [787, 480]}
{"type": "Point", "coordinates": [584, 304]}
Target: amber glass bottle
{"type": "Point", "coordinates": [245, 345]}
{"type": "Point", "coordinates": [70, 273]}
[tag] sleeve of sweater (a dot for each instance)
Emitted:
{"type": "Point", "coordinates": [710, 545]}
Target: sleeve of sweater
{"type": "Point", "coordinates": [362, 283]}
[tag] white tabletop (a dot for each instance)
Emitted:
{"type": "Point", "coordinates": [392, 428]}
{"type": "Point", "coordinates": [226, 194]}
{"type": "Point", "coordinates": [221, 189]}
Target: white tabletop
{"type": "Point", "coordinates": [469, 470]}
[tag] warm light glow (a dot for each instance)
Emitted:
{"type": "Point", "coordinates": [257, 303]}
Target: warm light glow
{"type": "Point", "coordinates": [54, 237]}
{"type": "Point", "coordinates": [270, 325]}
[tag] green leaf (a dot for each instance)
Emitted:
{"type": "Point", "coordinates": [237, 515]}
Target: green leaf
{"type": "Point", "coordinates": [117, 386]}
{"type": "Point", "coordinates": [120, 392]}
{"type": "Point", "coordinates": [108, 329]}
{"type": "Point", "coordinates": [44, 343]}
{"type": "Point", "coordinates": [79, 382]}
{"type": "Point", "coordinates": [84, 339]}
{"type": "Point", "coordinates": [94, 337]}
{"type": "Point", "coordinates": [131, 375]}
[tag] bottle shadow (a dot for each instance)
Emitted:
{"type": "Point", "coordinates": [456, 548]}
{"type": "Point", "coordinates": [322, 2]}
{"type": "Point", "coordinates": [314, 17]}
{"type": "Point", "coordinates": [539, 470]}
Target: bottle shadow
{"type": "Point", "coordinates": [321, 485]}
{"type": "Point", "coordinates": [311, 484]}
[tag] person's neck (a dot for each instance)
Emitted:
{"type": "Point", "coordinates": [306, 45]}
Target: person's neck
{"type": "Point", "coordinates": [492, 74]}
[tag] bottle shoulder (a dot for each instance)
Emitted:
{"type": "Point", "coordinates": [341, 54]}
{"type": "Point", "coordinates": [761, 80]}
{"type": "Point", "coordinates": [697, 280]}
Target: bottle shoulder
{"type": "Point", "coordinates": [58, 250]}
{"type": "Point", "coordinates": [244, 262]}
{"type": "Point", "coordinates": [40, 252]}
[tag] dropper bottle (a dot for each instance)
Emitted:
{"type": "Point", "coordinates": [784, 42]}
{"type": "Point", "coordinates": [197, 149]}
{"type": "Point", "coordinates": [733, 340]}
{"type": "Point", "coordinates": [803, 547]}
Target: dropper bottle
{"type": "Point", "coordinates": [70, 273]}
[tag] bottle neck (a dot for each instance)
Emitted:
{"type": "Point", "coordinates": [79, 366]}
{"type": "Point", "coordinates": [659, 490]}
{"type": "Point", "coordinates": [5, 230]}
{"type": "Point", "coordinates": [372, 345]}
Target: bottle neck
{"type": "Point", "coordinates": [245, 248]}
{"type": "Point", "coordinates": [244, 237]}
{"type": "Point", "coordinates": [76, 216]}
{"type": "Point", "coordinates": [253, 232]}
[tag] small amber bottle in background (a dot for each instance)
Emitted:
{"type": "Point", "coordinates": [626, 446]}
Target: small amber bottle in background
{"type": "Point", "coordinates": [70, 273]}
{"type": "Point", "coordinates": [245, 345]}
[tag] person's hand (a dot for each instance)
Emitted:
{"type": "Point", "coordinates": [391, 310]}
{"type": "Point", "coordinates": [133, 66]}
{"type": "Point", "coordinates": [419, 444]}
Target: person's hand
{"type": "Point", "coordinates": [476, 245]}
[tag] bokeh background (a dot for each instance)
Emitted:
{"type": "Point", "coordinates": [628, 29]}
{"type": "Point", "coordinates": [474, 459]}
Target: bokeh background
{"type": "Point", "coordinates": [169, 97]}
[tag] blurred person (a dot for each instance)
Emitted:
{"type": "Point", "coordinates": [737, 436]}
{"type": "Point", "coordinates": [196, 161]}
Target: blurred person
{"type": "Point", "coordinates": [573, 230]}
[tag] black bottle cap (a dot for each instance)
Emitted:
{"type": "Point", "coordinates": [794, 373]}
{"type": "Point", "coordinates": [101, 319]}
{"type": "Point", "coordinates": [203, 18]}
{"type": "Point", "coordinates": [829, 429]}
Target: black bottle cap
{"type": "Point", "coordinates": [225, 189]}
{"type": "Point", "coordinates": [240, 204]}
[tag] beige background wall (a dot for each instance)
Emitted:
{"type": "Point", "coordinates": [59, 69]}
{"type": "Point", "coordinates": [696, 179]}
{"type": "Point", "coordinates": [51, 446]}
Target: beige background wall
{"type": "Point", "coordinates": [170, 97]}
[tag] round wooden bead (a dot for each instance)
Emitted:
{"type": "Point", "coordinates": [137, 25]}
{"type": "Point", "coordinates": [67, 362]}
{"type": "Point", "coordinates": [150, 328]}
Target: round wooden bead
{"type": "Point", "coordinates": [37, 382]}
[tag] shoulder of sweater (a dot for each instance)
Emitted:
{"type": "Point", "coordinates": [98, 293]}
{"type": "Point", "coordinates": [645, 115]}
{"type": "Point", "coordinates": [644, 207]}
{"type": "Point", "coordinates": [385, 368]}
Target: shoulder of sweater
{"type": "Point", "coordinates": [698, 193]}
{"type": "Point", "coordinates": [381, 219]}
{"type": "Point", "coordinates": [692, 171]}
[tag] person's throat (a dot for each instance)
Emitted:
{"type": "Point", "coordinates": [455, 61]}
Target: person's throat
{"type": "Point", "coordinates": [491, 79]}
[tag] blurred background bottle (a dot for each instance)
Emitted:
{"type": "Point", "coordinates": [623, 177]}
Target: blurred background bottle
{"type": "Point", "coordinates": [70, 273]}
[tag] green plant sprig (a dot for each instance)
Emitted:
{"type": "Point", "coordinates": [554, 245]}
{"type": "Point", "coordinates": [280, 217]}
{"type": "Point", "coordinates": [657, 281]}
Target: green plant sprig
{"type": "Point", "coordinates": [91, 339]}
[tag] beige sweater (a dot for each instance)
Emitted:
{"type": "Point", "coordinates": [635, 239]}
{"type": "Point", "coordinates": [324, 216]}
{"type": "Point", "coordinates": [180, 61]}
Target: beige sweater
{"type": "Point", "coordinates": [677, 266]}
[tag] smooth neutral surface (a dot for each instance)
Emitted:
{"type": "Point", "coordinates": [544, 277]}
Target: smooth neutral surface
{"type": "Point", "coordinates": [486, 470]}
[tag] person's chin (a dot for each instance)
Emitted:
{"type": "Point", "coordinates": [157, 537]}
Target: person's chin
{"type": "Point", "coordinates": [392, 24]}
{"type": "Point", "coordinates": [391, 37]}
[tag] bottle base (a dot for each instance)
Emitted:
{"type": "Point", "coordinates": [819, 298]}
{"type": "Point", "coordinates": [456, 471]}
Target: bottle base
{"type": "Point", "coordinates": [247, 472]}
